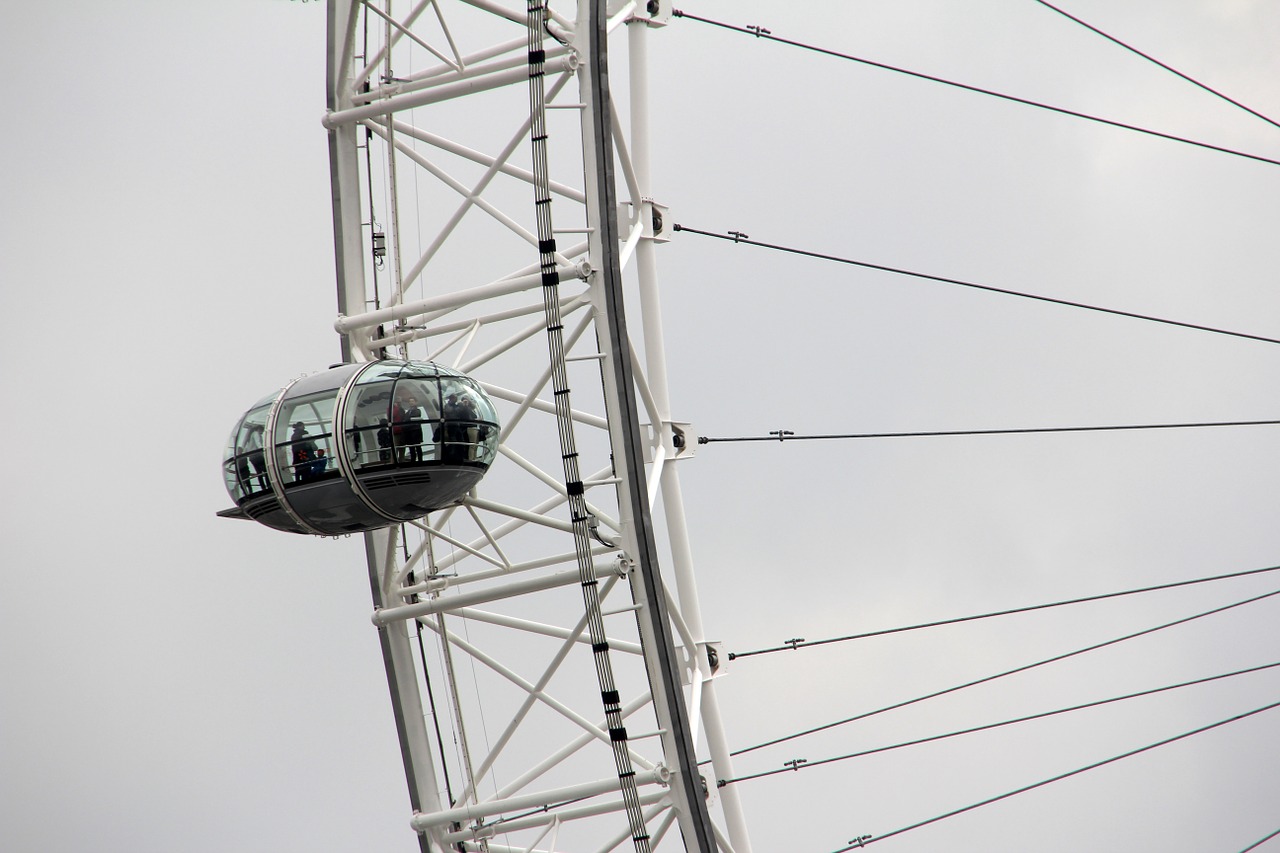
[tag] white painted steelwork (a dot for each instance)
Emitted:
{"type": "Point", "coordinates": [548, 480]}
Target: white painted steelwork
{"type": "Point", "coordinates": [429, 124]}
{"type": "Point", "coordinates": [541, 799]}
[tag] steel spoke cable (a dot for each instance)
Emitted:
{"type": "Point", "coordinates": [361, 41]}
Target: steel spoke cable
{"type": "Point", "coordinates": [762, 33]}
{"type": "Point", "coordinates": [1255, 845]}
{"type": "Point", "coordinates": [787, 435]}
{"type": "Point", "coordinates": [989, 678]}
{"type": "Point", "coordinates": [1060, 777]}
{"type": "Point", "coordinates": [793, 645]}
{"type": "Point", "coordinates": [547, 809]}
{"type": "Point", "coordinates": [759, 33]}
{"type": "Point", "coordinates": [805, 764]}
{"type": "Point", "coordinates": [1152, 59]}
{"type": "Point", "coordinates": [738, 237]}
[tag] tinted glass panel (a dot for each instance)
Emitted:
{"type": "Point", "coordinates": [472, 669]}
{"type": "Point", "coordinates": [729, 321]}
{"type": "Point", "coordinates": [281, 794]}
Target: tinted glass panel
{"type": "Point", "coordinates": [380, 371]}
{"type": "Point", "coordinates": [251, 464]}
{"type": "Point", "coordinates": [469, 431]}
{"type": "Point", "coordinates": [414, 408]}
{"type": "Point", "coordinates": [229, 477]}
{"type": "Point", "coordinates": [368, 426]}
{"type": "Point", "coordinates": [421, 370]}
{"type": "Point", "coordinates": [243, 466]}
{"type": "Point", "coordinates": [304, 442]}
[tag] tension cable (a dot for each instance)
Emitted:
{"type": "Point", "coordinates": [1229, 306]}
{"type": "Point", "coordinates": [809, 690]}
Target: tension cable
{"type": "Point", "coordinates": [802, 763]}
{"type": "Point", "coordinates": [762, 33]}
{"type": "Point", "coordinates": [1152, 59]}
{"type": "Point", "coordinates": [1024, 668]}
{"type": "Point", "coordinates": [788, 435]}
{"type": "Point", "coordinates": [739, 237]}
{"type": "Point", "coordinates": [800, 643]}
{"type": "Point", "coordinates": [1066, 775]}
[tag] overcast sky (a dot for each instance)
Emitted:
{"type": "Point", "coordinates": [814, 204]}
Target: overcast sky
{"type": "Point", "coordinates": [171, 681]}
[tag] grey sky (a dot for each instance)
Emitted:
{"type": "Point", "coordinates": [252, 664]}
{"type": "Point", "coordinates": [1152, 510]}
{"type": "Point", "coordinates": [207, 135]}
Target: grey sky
{"type": "Point", "coordinates": [176, 682]}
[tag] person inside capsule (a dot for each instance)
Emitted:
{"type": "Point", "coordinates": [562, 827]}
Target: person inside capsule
{"type": "Point", "coordinates": [252, 455]}
{"type": "Point", "coordinates": [454, 432]}
{"type": "Point", "coordinates": [407, 417]}
{"type": "Point", "coordinates": [308, 461]}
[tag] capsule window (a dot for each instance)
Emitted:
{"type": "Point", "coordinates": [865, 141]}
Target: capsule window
{"type": "Point", "coordinates": [368, 428]}
{"type": "Point", "coordinates": [244, 464]}
{"type": "Point", "coordinates": [470, 425]}
{"type": "Point", "coordinates": [368, 417]}
{"type": "Point", "coordinates": [415, 415]}
{"type": "Point", "coordinates": [251, 462]}
{"type": "Point", "coordinates": [303, 442]}
{"type": "Point", "coordinates": [235, 487]}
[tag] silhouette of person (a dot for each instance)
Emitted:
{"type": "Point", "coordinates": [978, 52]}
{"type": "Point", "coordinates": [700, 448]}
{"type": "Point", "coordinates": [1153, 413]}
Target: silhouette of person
{"type": "Point", "coordinates": [253, 444]}
{"type": "Point", "coordinates": [307, 460]}
{"type": "Point", "coordinates": [384, 441]}
{"type": "Point", "coordinates": [407, 429]}
{"type": "Point", "coordinates": [455, 431]}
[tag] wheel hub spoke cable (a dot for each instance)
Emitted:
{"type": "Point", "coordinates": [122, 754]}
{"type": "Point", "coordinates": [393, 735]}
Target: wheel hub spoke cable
{"type": "Point", "coordinates": [1062, 776]}
{"type": "Point", "coordinates": [989, 678]}
{"type": "Point", "coordinates": [804, 764]}
{"type": "Point", "coordinates": [1152, 59]}
{"type": "Point", "coordinates": [762, 33]}
{"type": "Point", "coordinates": [739, 237]}
{"type": "Point", "coordinates": [793, 645]}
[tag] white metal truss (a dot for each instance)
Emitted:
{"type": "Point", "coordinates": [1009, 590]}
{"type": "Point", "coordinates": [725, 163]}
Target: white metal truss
{"type": "Point", "coordinates": [553, 686]}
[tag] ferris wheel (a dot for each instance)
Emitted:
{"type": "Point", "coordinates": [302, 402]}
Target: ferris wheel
{"type": "Point", "coordinates": [500, 432]}
{"type": "Point", "coordinates": [499, 429]}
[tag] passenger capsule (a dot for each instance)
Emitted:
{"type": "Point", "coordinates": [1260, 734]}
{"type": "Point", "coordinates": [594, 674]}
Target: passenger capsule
{"type": "Point", "coordinates": [359, 447]}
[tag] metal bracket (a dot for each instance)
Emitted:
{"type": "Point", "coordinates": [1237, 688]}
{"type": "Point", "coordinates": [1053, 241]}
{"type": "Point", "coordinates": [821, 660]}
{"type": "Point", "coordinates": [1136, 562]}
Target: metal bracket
{"type": "Point", "coordinates": [655, 13]}
{"type": "Point", "coordinates": [659, 227]}
{"type": "Point", "coordinates": [683, 440]}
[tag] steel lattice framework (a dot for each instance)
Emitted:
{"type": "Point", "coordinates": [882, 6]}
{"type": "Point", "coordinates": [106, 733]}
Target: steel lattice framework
{"type": "Point", "coordinates": [552, 683]}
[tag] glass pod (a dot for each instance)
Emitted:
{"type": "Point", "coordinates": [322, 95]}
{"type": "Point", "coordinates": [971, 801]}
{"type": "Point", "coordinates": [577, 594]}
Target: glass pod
{"type": "Point", "coordinates": [360, 446]}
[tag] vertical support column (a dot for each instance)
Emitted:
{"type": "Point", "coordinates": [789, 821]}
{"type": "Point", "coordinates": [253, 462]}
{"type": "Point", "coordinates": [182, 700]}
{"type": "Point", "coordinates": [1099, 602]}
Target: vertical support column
{"type": "Point", "coordinates": [406, 699]}
{"type": "Point", "coordinates": [656, 371]}
{"type": "Point", "coordinates": [689, 799]}
{"type": "Point", "coordinates": [344, 168]}
{"type": "Point", "coordinates": [397, 651]}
